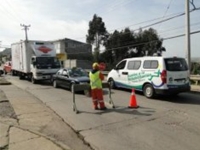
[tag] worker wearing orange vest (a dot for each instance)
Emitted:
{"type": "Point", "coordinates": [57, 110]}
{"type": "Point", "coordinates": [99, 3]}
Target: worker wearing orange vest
{"type": "Point", "coordinates": [96, 78]}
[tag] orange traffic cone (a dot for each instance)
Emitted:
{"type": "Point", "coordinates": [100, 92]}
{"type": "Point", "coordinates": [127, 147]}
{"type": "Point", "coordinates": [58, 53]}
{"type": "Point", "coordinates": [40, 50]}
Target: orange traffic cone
{"type": "Point", "coordinates": [133, 102]}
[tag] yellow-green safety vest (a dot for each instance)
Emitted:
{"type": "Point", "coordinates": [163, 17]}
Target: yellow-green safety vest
{"type": "Point", "coordinates": [95, 81]}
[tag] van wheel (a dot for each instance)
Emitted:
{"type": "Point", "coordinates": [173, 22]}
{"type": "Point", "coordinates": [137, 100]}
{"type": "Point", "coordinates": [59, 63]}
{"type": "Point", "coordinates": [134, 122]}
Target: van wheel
{"type": "Point", "coordinates": [148, 91]}
{"type": "Point", "coordinates": [112, 83]}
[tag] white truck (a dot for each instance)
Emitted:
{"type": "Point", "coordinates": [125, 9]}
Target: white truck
{"type": "Point", "coordinates": [35, 60]}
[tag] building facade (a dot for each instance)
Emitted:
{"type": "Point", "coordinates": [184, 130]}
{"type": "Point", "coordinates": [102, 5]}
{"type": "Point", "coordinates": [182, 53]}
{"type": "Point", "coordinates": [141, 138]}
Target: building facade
{"type": "Point", "coordinates": [73, 50]}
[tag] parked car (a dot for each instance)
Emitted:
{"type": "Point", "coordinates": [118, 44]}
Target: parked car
{"type": "Point", "coordinates": [7, 67]}
{"type": "Point", "coordinates": [66, 77]}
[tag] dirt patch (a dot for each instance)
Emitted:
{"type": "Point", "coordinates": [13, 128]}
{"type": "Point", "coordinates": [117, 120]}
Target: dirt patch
{"type": "Point", "coordinates": [6, 110]}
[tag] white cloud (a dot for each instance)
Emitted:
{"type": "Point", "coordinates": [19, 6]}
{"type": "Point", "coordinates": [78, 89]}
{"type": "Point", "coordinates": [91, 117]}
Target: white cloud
{"type": "Point", "coordinates": [56, 19]}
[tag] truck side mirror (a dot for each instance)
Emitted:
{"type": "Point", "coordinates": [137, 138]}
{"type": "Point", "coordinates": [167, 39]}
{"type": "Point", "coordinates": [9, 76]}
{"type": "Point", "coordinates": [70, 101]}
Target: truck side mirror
{"type": "Point", "coordinates": [34, 63]}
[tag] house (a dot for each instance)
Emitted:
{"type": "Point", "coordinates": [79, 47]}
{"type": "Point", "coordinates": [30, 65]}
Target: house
{"type": "Point", "coordinates": [69, 50]}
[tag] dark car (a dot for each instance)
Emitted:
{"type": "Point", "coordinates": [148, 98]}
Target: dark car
{"type": "Point", "coordinates": [66, 77]}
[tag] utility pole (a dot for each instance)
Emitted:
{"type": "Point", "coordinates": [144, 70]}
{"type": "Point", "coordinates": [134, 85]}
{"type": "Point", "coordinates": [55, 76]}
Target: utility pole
{"type": "Point", "coordinates": [187, 30]}
{"type": "Point", "coordinates": [26, 27]}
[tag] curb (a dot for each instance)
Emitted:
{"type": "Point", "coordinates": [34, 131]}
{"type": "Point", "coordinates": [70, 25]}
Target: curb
{"type": "Point", "coordinates": [5, 83]}
{"type": "Point", "coordinates": [194, 92]}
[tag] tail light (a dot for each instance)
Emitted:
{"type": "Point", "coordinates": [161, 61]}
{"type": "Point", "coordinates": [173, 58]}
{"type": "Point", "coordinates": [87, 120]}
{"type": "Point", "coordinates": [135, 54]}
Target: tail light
{"type": "Point", "coordinates": [164, 76]}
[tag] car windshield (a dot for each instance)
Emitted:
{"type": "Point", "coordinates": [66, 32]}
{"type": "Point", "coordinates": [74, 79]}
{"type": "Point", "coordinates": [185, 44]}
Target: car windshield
{"type": "Point", "coordinates": [176, 64]}
{"type": "Point", "coordinates": [77, 72]}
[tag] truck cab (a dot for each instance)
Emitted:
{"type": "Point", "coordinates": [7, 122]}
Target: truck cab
{"type": "Point", "coordinates": [43, 67]}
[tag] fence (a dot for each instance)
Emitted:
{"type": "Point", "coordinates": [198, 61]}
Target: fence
{"type": "Point", "coordinates": [195, 78]}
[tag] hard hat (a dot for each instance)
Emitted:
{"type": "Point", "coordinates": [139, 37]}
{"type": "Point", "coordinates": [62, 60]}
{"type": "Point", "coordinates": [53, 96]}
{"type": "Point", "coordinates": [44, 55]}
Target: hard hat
{"type": "Point", "coordinates": [95, 65]}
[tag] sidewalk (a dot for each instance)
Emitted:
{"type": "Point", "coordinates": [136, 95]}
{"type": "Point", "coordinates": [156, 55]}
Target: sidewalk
{"type": "Point", "coordinates": [23, 130]}
{"type": "Point", "coordinates": [28, 124]}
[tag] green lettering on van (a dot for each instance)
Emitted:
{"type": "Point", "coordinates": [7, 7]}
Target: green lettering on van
{"type": "Point", "coordinates": [137, 76]}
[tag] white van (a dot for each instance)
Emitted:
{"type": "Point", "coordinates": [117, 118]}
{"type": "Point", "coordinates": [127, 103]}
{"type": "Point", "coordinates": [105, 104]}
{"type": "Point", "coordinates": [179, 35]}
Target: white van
{"type": "Point", "coordinates": [152, 75]}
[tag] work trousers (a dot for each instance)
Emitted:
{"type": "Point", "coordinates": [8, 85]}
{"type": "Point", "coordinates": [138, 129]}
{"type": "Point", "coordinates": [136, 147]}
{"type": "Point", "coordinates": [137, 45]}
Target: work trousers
{"type": "Point", "coordinates": [97, 98]}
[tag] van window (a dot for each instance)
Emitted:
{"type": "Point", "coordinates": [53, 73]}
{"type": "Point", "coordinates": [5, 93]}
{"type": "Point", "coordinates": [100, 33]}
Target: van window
{"type": "Point", "coordinates": [150, 64]}
{"type": "Point", "coordinates": [134, 65]}
{"type": "Point", "coordinates": [121, 65]}
{"type": "Point", "coordinates": [176, 64]}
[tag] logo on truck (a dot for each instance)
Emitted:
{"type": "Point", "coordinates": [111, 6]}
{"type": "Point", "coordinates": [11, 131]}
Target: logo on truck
{"type": "Point", "coordinates": [44, 49]}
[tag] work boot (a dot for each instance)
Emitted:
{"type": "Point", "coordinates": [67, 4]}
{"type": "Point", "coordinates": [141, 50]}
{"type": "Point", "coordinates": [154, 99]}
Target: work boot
{"type": "Point", "coordinates": [104, 108]}
{"type": "Point", "coordinates": [96, 108]}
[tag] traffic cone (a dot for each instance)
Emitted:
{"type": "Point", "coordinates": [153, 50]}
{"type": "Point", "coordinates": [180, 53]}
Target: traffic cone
{"type": "Point", "coordinates": [133, 102]}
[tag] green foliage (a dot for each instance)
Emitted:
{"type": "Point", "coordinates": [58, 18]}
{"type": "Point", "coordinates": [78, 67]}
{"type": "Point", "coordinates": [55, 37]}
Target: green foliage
{"type": "Point", "coordinates": [96, 34]}
{"type": "Point", "coordinates": [126, 44]}
{"type": "Point", "coordinates": [121, 44]}
{"type": "Point", "coordinates": [195, 68]}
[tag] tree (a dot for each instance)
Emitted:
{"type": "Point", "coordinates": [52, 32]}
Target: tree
{"type": "Point", "coordinates": [148, 42]}
{"type": "Point", "coordinates": [118, 45]}
{"type": "Point", "coordinates": [96, 34]}
{"type": "Point", "coordinates": [126, 44]}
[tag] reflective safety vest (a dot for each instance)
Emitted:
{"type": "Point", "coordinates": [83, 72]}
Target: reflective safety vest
{"type": "Point", "coordinates": [95, 81]}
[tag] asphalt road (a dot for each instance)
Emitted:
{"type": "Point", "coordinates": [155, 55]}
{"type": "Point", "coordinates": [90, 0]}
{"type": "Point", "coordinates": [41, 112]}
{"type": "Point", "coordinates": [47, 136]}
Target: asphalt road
{"type": "Point", "coordinates": [163, 123]}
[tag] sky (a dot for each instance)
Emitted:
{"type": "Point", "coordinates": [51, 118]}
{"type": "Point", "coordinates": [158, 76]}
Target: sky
{"type": "Point", "coordinates": [58, 19]}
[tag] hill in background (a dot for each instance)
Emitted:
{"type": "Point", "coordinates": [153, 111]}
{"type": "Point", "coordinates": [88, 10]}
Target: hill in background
{"type": "Point", "coordinates": [196, 59]}
{"type": "Point", "coordinates": [6, 52]}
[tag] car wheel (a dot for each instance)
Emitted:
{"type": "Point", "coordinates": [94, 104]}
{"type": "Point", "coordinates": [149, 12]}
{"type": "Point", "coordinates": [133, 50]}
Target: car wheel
{"type": "Point", "coordinates": [55, 85]}
{"type": "Point", "coordinates": [148, 91]}
{"type": "Point", "coordinates": [112, 83]}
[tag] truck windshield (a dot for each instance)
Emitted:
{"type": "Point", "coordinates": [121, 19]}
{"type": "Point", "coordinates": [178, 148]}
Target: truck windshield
{"type": "Point", "coordinates": [47, 62]}
{"type": "Point", "coordinates": [176, 64]}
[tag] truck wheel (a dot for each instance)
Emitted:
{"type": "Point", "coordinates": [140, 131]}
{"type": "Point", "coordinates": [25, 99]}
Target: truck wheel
{"type": "Point", "coordinates": [20, 77]}
{"type": "Point", "coordinates": [148, 91]}
{"type": "Point", "coordinates": [112, 83]}
{"type": "Point", "coordinates": [5, 72]}
{"type": "Point", "coordinates": [33, 80]}
{"type": "Point", "coordinates": [55, 84]}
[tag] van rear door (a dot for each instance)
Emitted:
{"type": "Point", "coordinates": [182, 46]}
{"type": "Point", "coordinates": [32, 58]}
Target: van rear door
{"type": "Point", "coordinates": [176, 71]}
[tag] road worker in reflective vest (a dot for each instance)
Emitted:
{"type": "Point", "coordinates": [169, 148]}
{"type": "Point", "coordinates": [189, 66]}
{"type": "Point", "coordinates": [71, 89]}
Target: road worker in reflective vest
{"type": "Point", "coordinates": [96, 78]}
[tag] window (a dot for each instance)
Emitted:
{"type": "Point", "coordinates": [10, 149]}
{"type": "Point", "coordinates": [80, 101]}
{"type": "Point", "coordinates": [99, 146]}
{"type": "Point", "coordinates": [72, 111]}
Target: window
{"type": "Point", "coordinates": [176, 64]}
{"type": "Point", "coordinates": [121, 65]}
{"type": "Point", "coordinates": [134, 65]}
{"type": "Point", "coordinates": [150, 64]}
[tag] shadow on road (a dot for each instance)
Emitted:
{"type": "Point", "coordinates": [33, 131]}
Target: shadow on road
{"type": "Point", "coordinates": [184, 98]}
{"type": "Point", "coordinates": [141, 111]}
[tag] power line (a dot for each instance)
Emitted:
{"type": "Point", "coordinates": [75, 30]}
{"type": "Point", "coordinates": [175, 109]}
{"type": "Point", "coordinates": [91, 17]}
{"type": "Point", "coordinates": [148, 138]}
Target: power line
{"type": "Point", "coordinates": [155, 23]}
{"type": "Point", "coordinates": [172, 37]}
{"type": "Point", "coordinates": [166, 12]}
{"type": "Point", "coordinates": [132, 45]}
{"type": "Point", "coordinates": [14, 10]}
{"type": "Point", "coordinates": [192, 3]}
{"type": "Point", "coordinates": [179, 27]}
{"type": "Point", "coordinates": [10, 15]}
